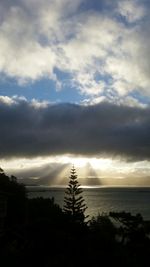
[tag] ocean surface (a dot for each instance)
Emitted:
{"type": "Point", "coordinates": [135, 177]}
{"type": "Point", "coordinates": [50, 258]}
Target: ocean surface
{"type": "Point", "coordinates": [103, 199]}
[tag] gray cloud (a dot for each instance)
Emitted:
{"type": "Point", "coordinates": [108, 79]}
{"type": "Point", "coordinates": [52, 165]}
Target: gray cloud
{"type": "Point", "coordinates": [104, 129]}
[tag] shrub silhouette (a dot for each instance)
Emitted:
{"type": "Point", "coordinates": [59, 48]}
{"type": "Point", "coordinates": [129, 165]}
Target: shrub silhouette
{"type": "Point", "coordinates": [103, 227]}
{"type": "Point", "coordinates": [43, 208]}
{"type": "Point", "coordinates": [15, 195]}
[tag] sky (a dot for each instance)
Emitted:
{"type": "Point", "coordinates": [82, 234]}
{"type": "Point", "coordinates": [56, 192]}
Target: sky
{"type": "Point", "coordinates": [75, 89]}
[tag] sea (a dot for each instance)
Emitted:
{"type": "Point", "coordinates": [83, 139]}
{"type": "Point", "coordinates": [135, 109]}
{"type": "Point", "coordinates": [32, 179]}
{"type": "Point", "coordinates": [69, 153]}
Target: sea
{"type": "Point", "coordinates": [102, 199]}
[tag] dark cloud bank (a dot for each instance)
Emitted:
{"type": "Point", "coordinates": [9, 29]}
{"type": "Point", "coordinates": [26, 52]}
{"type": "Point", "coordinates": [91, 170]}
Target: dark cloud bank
{"type": "Point", "coordinates": [103, 129]}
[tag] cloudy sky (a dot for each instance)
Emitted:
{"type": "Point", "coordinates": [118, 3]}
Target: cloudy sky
{"type": "Point", "coordinates": [75, 89]}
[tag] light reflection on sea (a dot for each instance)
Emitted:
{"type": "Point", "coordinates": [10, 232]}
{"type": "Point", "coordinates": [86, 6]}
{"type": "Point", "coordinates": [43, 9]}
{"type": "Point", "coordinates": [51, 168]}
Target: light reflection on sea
{"type": "Point", "coordinates": [103, 199]}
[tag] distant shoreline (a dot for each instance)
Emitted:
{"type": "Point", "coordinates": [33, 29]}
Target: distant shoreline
{"type": "Point", "coordinates": [43, 188]}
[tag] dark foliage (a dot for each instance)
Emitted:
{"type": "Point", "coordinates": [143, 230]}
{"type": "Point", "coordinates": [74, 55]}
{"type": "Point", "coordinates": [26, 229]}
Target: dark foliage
{"type": "Point", "coordinates": [131, 228]}
{"type": "Point", "coordinates": [15, 196]}
{"type": "Point", "coordinates": [45, 236]}
{"type": "Point", "coordinates": [44, 208]}
{"type": "Point", "coordinates": [103, 228]}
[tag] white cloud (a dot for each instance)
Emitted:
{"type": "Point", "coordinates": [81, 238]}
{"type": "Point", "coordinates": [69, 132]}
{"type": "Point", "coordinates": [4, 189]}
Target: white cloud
{"type": "Point", "coordinates": [88, 85]}
{"type": "Point", "coordinates": [6, 100]}
{"type": "Point", "coordinates": [130, 67]}
{"type": "Point", "coordinates": [21, 56]}
{"type": "Point", "coordinates": [85, 54]}
{"type": "Point", "coordinates": [98, 50]}
{"type": "Point", "coordinates": [132, 10]}
{"type": "Point", "coordinates": [15, 100]}
{"type": "Point", "coordinates": [37, 104]}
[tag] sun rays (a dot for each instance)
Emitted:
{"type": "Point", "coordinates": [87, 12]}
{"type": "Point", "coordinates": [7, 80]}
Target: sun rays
{"type": "Point", "coordinates": [92, 171]}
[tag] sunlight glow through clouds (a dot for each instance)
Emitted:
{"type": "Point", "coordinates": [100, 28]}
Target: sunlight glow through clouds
{"type": "Point", "coordinates": [86, 167]}
{"type": "Point", "coordinates": [78, 162]}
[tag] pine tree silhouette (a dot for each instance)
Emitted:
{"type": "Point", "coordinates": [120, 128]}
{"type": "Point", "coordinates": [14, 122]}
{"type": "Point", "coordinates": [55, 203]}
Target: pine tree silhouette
{"type": "Point", "coordinates": [74, 204]}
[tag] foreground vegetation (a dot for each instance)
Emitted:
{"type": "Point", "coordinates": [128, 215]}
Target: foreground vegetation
{"type": "Point", "coordinates": [37, 232]}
